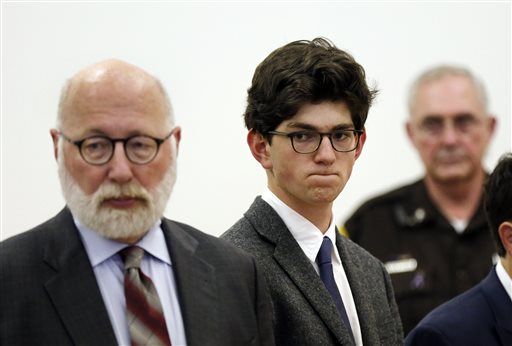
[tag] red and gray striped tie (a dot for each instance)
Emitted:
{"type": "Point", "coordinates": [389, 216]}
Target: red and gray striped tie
{"type": "Point", "coordinates": [144, 312]}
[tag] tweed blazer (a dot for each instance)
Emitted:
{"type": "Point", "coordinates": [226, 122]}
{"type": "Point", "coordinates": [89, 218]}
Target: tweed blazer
{"type": "Point", "coordinates": [303, 311]}
{"type": "Point", "coordinates": [49, 294]}
{"type": "Point", "coordinates": [480, 316]}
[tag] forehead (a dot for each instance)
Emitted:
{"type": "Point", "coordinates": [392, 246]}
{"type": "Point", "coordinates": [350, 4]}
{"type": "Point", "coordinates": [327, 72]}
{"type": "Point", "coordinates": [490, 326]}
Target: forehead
{"type": "Point", "coordinates": [111, 105]}
{"type": "Point", "coordinates": [448, 96]}
{"type": "Point", "coordinates": [322, 116]}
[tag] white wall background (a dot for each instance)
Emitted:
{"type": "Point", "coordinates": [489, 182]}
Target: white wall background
{"type": "Point", "coordinates": [205, 54]}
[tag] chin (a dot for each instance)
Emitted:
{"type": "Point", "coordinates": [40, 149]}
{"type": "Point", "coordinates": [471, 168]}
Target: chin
{"type": "Point", "coordinates": [453, 177]}
{"type": "Point", "coordinates": [324, 195]}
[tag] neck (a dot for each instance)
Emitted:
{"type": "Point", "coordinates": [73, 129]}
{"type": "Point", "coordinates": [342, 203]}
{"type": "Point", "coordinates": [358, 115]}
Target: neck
{"type": "Point", "coordinates": [457, 199]}
{"type": "Point", "coordinates": [318, 216]}
{"type": "Point", "coordinates": [507, 264]}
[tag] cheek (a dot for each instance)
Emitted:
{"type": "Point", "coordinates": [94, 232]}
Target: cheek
{"type": "Point", "coordinates": [149, 176]}
{"type": "Point", "coordinates": [88, 177]}
{"type": "Point", "coordinates": [288, 169]}
{"type": "Point", "coordinates": [426, 149]}
{"type": "Point", "coordinates": [477, 144]}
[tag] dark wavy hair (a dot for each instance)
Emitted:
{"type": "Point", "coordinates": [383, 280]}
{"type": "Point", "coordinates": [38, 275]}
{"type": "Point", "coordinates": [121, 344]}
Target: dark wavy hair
{"type": "Point", "coordinates": [498, 199]}
{"type": "Point", "coordinates": [304, 72]}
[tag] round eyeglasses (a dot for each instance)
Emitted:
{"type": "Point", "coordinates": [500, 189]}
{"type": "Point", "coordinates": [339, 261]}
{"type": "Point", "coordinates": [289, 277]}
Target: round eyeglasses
{"type": "Point", "coordinates": [307, 141]}
{"type": "Point", "coordinates": [98, 150]}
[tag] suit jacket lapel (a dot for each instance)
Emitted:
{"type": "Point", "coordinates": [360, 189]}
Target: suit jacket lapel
{"type": "Point", "coordinates": [73, 289]}
{"type": "Point", "coordinates": [356, 276]}
{"type": "Point", "coordinates": [294, 262]}
{"type": "Point", "coordinates": [195, 279]}
{"type": "Point", "coordinates": [500, 303]}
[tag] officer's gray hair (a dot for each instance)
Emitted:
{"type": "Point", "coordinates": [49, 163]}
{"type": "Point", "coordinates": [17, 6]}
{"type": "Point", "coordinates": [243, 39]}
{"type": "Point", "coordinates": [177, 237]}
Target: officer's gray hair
{"type": "Point", "coordinates": [440, 71]}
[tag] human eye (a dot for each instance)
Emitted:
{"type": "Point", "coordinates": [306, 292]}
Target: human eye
{"type": "Point", "coordinates": [432, 125]}
{"type": "Point", "coordinates": [141, 146]}
{"type": "Point", "coordinates": [464, 122]}
{"type": "Point", "coordinates": [304, 136]}
{"type": "Point", "coordinates": [341, 135]}
{"type": "Point", "coordinates": [95, 145]}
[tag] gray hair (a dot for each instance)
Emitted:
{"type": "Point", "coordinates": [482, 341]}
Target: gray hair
{"type": "Point", "coordinates": [64, 93]}
{"type": "Point", "coordinates": [440, 71]}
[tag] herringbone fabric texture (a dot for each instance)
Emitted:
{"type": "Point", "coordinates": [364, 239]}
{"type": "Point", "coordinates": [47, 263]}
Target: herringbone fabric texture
{"type": "Point", "coordinates": [144, 312]}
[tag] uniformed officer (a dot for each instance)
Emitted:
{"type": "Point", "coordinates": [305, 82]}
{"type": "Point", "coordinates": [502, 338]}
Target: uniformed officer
{"type": "Point", "coordinates": [432, 234]}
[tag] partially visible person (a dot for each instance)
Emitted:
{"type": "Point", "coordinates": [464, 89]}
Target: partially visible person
{"type": "Point", "coordinates": [306, 111]}
{"type": "Point", "coordinates": [109, 269]}
{"type": "Point", "coordinates": [431, 234]}
{"type": "Point", "coordinates": [483, 315]}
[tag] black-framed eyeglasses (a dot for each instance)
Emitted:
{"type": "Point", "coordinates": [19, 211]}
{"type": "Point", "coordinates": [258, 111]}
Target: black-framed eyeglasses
{"type": "Point", "coordinates": [98, 150]}
{"type": "Point", "coordinates": [308, 141]}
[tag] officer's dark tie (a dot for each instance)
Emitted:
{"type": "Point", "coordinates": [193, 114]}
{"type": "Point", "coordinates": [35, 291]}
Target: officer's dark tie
{"type": "Point", "coordinates": [323, 259]}
{"type": "Point", "coordinates": [144, 312]}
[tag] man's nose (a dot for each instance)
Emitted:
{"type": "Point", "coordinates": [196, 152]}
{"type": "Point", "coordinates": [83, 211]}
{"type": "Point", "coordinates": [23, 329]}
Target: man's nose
{"type": "Point", "coordinates": [325, 152]}
{"type": "Point", "coordinates": [120, 168]}
{"type": "Point", "coordinates": [450, 133]}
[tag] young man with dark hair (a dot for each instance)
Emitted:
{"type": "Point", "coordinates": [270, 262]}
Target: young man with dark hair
{"type": "Point", "coordinates": [306, 112]}
{"type": "Point", "coordinates": [482, 315]}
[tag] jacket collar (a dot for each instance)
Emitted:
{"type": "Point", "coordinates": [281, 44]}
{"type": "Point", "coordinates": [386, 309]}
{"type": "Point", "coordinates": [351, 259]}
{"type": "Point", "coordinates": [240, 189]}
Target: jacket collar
{"type": "Point", "coordinates": [72, 288]}
{"type": "Point", "coordinates": [292, 260]}
{"type": "Point", "coordinates": [195, 280]}
{"type": "Point", "coordinates": [500, 304]}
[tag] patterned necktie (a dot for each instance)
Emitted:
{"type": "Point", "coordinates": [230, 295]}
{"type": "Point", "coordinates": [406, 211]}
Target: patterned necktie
{"type": "Point", "coordinates": [144, 312]}
{"type": "Point", "coordinates": [323, 259]}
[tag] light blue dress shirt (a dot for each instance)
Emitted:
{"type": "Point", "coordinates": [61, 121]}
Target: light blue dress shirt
{"type": "Point", "coordinates": [109, 271]}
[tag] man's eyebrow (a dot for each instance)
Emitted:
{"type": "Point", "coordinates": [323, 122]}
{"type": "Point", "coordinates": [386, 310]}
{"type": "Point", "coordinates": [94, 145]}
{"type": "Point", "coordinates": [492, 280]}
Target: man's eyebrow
{"type": "Point", "coordinates": [305, 126]}
{"type": "Point", "coordinates": [101, 133]}
{"type": "Point", "coordinates": [438, 117]}
{"type": "Point", "coordinates": [432, 117]}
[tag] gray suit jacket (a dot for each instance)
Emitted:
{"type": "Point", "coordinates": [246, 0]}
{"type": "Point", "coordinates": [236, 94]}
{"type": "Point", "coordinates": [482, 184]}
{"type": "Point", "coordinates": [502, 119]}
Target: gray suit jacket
{"type": "Point", "coordinates": [304, 313]}
{"type": "Point", "coordinates": [49, 294]}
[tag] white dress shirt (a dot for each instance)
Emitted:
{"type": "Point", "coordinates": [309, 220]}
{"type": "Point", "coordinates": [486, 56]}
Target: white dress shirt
{"type": "Point", "coordinates": [505, 279]}
{"type": "Point", "coordinates": [109, 271]}
{"type": "Point", "coordinates": [310, 238]}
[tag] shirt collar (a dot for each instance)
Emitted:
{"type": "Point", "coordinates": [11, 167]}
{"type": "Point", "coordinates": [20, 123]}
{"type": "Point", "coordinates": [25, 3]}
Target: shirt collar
{"type": "Point", "coordinates": [99, 248]}
{"type": "Point", "coordinates": [307, 235]}
{"type": "Point", "coordinates": [504, 278]}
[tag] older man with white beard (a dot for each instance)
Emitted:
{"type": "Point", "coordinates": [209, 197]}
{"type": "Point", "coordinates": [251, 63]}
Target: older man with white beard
{"type": "Point", "coordinates": [109, 269]}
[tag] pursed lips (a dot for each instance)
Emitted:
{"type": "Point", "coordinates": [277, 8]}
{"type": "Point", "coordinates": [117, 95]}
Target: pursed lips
{"type": "Point", "coordinates": [122, 202]}
{"type": "Point", "coordinates": [323, 174]}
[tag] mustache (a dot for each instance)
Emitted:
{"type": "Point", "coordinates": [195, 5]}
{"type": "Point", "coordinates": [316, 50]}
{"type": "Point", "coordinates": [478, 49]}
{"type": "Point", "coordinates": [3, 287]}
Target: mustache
{"type": "Point", "coordinates": [111, 190]}
{"type": "Point", "coordinates": [446, 153]}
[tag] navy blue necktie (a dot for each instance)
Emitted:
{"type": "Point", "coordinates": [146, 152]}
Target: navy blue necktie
{"type": "Point", "coordinates": [323, 259]}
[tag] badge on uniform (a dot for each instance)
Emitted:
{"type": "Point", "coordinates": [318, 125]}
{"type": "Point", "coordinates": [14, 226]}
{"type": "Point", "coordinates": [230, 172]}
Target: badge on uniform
{"type": "Point", "coordinates": [404, 265]}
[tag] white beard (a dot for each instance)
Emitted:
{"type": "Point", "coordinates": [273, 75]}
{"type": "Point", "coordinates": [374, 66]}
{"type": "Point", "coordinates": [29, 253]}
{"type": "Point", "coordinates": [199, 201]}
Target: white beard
{"type": "Point", "coordinates": [111, 223]}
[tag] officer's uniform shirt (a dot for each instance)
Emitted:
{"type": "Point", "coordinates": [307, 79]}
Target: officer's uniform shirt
{"type": "Point", "coordinates": [428, 260]}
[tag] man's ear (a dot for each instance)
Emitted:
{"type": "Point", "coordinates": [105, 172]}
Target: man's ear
{"type": "Point", "coordinates": [259, 147]}
{"type": "Point", "coordinates": [505, 232]}
{"type": "Point", "coordinates": [409, 128]}
{"type": "Point", "coordinates": [177, 138]}
{"type": "Point", "coordinates": [491, 124]}
{"type": "Point", "coordinates": [362, 140]}
{"type": "Point", "coordinates": [55, 138]}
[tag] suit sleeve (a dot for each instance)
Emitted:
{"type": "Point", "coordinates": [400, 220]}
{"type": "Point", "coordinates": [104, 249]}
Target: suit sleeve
{"type": "Point", "coordinates": [426, 335]}
{"type": "Point", "coordinates": [393, 307]}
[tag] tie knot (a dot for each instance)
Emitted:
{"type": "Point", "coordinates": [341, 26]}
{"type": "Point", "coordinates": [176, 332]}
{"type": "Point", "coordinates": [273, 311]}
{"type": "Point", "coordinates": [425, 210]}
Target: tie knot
{"type": "Point", "coordinates": [324, 255]}
{"type": "Point", "coordinates": [132, 256]}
